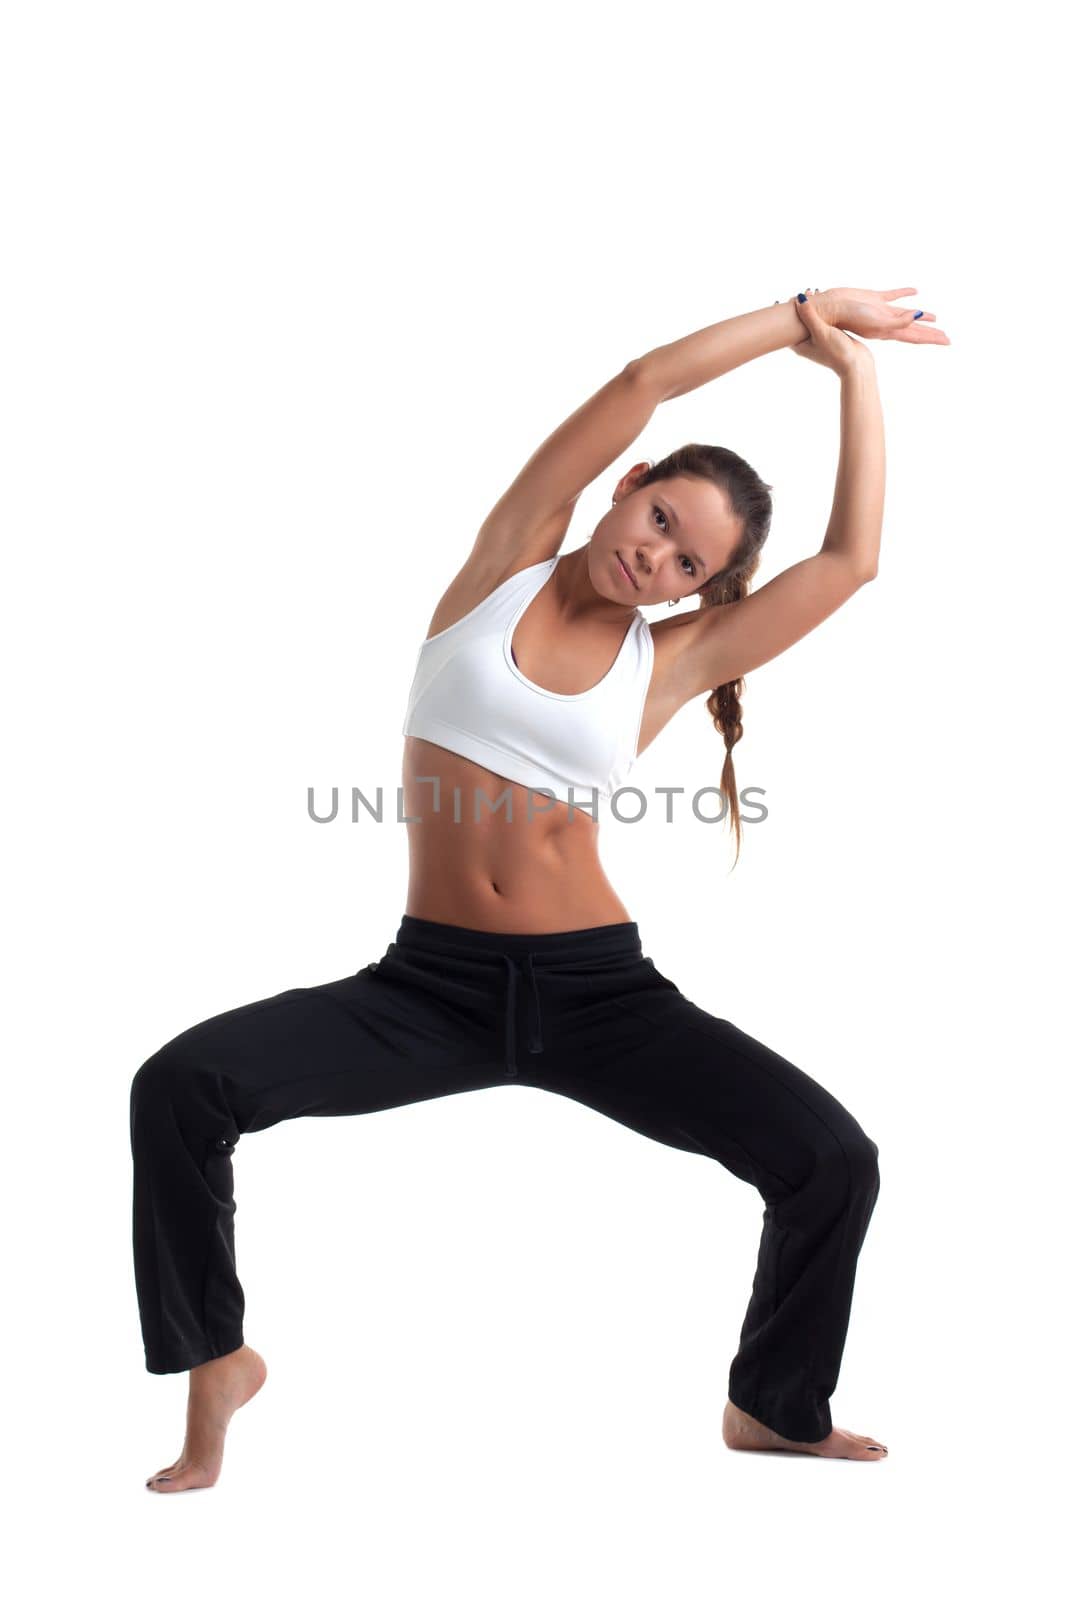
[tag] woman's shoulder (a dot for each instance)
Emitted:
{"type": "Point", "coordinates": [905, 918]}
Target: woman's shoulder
{"type": "Point", "coordinates": [472, 587]}
{"type": "Point", "coordinates": [499, 554]}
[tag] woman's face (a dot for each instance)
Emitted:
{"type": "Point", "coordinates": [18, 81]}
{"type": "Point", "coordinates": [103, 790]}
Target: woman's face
{"type": "Point", "coordinates": [672, 536]}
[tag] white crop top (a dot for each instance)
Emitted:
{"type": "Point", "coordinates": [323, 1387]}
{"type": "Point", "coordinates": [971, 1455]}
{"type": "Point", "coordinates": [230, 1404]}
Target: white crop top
{"type": "Point", "coordinates": [469, 696]}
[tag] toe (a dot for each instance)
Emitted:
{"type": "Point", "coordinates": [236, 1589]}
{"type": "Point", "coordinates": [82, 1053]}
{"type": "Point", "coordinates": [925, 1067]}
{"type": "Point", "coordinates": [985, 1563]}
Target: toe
{"type": "Point", "coordinates": [861, 1447]}
{"type": "Point", "coordinates": [864, 1439]}
{"type": "Point", "coordinates": [164, 1484]}
{"type": "Point", "coordinates": [191, 1476]}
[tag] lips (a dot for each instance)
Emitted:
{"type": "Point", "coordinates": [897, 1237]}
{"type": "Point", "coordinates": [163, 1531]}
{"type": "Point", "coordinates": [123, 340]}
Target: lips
{"type": "Point", "coordinates": [626, 570]}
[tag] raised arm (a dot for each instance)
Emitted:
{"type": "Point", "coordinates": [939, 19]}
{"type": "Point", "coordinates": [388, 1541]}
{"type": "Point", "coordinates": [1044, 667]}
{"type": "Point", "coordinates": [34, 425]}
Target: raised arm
{"type": "Point", "coordinates": [529, 521]}
{"type": "Point", "coordinates": [674, 369]}
{"type": "Point", "coordinates": [724, 642]}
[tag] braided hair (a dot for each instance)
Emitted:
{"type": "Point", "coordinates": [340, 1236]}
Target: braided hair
{"type": "Point", "coordinates": [750, 501]}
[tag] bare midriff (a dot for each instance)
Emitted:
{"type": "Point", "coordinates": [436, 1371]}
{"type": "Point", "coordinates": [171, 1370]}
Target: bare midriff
{"type": "Point", "coordinates": [540, 872]}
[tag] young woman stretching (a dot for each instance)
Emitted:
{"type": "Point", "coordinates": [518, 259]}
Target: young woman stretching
{"type": "Point", "coordinates": [515, 961]}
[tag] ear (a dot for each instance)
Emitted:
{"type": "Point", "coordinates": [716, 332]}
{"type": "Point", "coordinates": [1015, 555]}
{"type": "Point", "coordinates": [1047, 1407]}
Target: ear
{"type": "Point", "coordinates": [626, 483]}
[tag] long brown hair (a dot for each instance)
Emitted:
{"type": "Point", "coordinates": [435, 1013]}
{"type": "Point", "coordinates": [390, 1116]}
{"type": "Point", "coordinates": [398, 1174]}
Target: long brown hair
{"type": "Point", "coordinates": [750, 500]}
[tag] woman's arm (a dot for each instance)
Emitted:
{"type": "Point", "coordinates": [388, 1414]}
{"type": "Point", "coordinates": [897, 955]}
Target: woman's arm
{"type": "Point", "coordinates": [674, 369]}
{"type": "Point", "coordinates": [855, 528]}
{"type": "Point", "coordinates": [529, 521]}
{"type": "Point", "coordinates": [725, 641]}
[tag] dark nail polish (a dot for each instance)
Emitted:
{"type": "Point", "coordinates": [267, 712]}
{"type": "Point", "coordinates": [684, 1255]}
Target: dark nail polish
{"type": "Point", "coordinates": [802, 297]}
{"type": "Point", "coordinates": [917, 314]}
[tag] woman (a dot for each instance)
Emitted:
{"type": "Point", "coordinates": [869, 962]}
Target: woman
{"type": "Point", "coordinates": [515, 961]}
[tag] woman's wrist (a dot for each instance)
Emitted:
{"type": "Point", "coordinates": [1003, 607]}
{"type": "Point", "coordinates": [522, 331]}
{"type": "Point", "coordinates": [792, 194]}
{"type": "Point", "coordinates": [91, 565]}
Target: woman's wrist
{"type": "Point", "coordinates": [858, 363]}
{"type": "Point", "coordinates": [828, 301]}
{"type": "Point", "coordinates": [859, 368]}
{"type": "Point", "coordinates": [829, 304]}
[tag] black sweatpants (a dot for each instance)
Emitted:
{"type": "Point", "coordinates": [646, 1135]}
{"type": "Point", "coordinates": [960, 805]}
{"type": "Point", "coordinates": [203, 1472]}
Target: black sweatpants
{"type": "Point", "coordinates": [449, 1009]}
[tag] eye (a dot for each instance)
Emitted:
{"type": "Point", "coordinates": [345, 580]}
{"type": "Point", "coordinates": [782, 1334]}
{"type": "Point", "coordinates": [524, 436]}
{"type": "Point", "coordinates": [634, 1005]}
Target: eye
{"type": "Point", "coordinates": [658, 511]}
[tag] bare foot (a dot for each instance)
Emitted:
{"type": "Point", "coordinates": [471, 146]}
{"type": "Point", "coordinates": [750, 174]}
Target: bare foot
{"type": "Point", "coordinates": [742, 1432]}
{"type": "Point", "coordinates": [216, 1390]}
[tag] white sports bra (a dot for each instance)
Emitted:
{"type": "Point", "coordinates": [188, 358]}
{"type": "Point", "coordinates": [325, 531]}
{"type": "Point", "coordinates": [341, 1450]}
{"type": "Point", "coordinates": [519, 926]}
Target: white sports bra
{"type": "Point", "coordinates": [470, 697]}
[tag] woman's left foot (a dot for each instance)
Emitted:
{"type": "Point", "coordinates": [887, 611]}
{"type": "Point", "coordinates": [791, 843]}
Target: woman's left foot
{"type": "Point", "coordinates": [742, 1432]}
{"type": "Point", "coordinates": [217, 1389]}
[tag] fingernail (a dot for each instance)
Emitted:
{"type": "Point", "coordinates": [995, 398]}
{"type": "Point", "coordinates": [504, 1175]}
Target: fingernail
{"type": "Point", "coordinates": [917, 314]}
{"type": "Point", "coordinates": [804, 297]}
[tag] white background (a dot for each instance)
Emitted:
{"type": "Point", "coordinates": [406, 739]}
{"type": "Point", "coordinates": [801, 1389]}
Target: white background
{"type": "Point", "coordinates": [292, 292]}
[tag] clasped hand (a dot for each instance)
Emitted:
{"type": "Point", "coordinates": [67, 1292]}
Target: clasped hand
{"type": "Point", "coordinates": [833, 315]}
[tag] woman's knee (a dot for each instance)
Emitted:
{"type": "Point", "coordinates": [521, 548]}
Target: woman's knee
{"type": "Point", "coordinates": [860, 1155]}
{"type": "Point", "coordinates": [167, 1074]}
{"type": "Point", "coordinates": [843, 1165]}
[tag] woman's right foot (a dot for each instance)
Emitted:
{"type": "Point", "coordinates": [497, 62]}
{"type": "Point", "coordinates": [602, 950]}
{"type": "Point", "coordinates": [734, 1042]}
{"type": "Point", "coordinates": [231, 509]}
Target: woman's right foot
{"type": "Point", "coordinates": [216, 1390]}
{"type": "Point", "coordinates": [742, 1432]}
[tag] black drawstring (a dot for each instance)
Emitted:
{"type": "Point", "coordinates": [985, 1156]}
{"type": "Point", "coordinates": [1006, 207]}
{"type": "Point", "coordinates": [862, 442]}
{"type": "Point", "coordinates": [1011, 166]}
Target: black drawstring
{"type": "Point", "coordinates": [536, 1046]}
{"type": "Point", "coordinates": [510, 1064]}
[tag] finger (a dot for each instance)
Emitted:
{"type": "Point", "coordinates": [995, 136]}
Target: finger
{"type": "Point", "coordinates": [894, 294]}
{"type": "Point", "coordinates": [905, 315]}
{"type": "Point", "coordinates": [918, 333]}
